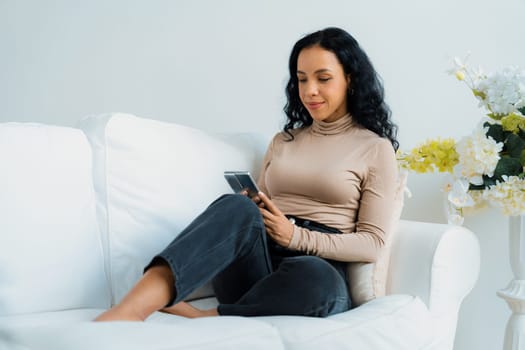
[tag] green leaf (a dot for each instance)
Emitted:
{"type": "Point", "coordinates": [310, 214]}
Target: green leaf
{"type": "Point", "coordinates": [522, 110]}
{"type": "Point", "coordinates": [521, 134]}
{"type": "Point", "coordinates": [507, 166]}
{"type": "Point", "coordinates": [522, 158]}
{"type": "Point", "coordinates": [495, 116]}
{"type": "Point", "coordinates": [495, 131]}
{"type": "Point", "coordinates": [514, 145]}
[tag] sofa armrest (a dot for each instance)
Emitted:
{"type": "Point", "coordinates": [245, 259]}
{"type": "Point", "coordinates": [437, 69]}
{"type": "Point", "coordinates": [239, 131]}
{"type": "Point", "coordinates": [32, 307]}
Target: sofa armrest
{"type": "Point", "coordinates": [438, 263]}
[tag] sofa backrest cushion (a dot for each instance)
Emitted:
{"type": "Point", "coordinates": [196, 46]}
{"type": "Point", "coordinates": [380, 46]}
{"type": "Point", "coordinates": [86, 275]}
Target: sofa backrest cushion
{"type": "Point", "coordinates": [368, 280]}
{"type": "Point", "coordinates": [152, 179]}
{"type": "Point", "coordinates": [50, 249]}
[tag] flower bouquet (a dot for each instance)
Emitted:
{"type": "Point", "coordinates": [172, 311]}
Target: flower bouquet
{"type": "Point", "coordinates": [488, 165]}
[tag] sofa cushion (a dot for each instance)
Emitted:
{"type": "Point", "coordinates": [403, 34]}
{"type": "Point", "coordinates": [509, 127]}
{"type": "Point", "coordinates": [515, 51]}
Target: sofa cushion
{"type": "Point", "coordinates": [50, 318]}
{"type": "Point", "coordinates": [391, 322]}
{"type": "Point", "coordinates": [167, 333]}
{"type": "Point", "coordinates": [50, 250]}
{"type": "Point", "coordinates": [394, 322]}
{"type": "Point", "coordinates": [152, 179]}
{"type": "Point", "coordinates": [368, 280]}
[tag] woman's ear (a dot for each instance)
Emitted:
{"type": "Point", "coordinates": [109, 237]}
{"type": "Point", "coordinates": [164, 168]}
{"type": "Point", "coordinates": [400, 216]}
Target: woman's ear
{"type": "Point", "coordinates": [348, 84]}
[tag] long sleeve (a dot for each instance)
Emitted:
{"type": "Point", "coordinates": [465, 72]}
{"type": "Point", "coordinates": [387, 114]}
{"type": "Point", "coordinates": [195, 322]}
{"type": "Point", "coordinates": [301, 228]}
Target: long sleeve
{"type": "Point", "coordinates": [261, 183]}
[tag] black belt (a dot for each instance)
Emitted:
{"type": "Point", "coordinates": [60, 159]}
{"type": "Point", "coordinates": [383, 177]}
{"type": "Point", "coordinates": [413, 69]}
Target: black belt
{"type": "Point", "coordinates": [310, 224]}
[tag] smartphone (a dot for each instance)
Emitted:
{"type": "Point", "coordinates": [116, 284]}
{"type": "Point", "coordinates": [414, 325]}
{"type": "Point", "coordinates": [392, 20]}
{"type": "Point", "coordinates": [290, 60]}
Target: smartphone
{"type": "Point", "coordinates": [241, 180]}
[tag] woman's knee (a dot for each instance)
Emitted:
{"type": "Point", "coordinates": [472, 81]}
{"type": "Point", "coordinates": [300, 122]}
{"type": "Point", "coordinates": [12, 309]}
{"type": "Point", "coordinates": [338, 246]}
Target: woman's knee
{"type": "Point", "coordinates": [237, 203]}
{"type": "Point", "coordinates": [241, 215]}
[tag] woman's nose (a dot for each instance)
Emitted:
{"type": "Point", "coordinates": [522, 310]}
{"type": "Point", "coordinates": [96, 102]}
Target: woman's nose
{"type": "Point", "coordinates": [311, 89]}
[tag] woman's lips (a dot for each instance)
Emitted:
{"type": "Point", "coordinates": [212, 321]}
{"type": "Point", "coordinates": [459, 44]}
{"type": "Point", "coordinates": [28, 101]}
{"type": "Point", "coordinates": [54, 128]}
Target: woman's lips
{"type": "Point", "coordinates": [314, 105]}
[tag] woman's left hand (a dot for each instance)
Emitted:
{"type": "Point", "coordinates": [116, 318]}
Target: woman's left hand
{"type": "Point", "coordinates": [278, 227]}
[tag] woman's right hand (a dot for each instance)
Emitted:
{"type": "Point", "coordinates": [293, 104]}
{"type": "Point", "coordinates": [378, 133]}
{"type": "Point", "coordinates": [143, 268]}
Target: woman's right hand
{"type": "Point", "coordinates": [256, 199]}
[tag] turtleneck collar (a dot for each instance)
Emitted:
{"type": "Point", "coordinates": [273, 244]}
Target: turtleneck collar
{"type": "Point", "coordinates": [337, 127]}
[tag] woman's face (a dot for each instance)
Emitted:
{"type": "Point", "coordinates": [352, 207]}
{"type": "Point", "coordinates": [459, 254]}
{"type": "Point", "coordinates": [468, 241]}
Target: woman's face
{"type": "Point", "coordinates": [322, 84]}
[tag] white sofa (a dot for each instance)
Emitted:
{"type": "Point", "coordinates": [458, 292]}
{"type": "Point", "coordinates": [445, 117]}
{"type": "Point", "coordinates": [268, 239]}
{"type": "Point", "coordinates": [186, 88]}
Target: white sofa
{"type": "Point", "coordinates": [82, 210]}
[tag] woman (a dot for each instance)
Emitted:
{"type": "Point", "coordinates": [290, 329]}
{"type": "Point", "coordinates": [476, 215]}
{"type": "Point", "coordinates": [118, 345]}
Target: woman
{"type": "Point", "coordinates": [332, 171]}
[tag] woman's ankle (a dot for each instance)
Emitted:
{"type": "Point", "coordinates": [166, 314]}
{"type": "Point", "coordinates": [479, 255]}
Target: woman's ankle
{"type": "Point", "coordinates": [187, 310]}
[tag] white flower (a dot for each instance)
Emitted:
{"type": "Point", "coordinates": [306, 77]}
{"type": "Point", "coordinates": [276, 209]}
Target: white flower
{"type": "Point", "coordinates": [463, 72]}
{"type": "Point", "coordinates": [478, 156]}
{"type": "Point", "coordinates": [509, 195]}
{"type": "Point", "coordinates": [459, 68]}
{"type": "Point", "coordinates": [503, 92]}
{"type": "Point", "coordinates": [458, 194]}
{"type": "Point", "coordinates": [457, 198]}
{"type": "Point", "coordinates": [455, 217]}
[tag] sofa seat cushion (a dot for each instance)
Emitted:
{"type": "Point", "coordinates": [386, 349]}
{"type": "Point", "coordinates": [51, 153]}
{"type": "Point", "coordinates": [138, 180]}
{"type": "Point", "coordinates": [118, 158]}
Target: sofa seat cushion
{"type": "Point", "coordinates": [161, 331]}
{"type": "Point", "coordinates": [391, 322]}
{"type": "Point", "coordinates": [49, 318]}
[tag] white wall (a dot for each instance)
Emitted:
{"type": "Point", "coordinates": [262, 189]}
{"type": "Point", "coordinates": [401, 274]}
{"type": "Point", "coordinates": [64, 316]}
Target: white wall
{"type": "Point", "coordinates": [221, 65]}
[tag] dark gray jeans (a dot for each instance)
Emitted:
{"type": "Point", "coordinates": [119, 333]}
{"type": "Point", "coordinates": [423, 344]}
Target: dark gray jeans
{"type": "Point", "coordinates": [251, 276]}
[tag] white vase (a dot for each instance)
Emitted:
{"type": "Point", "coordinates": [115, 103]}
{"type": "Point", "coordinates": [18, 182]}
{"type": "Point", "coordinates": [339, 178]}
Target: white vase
{"type": "Point", "coordinates": [514, 294]}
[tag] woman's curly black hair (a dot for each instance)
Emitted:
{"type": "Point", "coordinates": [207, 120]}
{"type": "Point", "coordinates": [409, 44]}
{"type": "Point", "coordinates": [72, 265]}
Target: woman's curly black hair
{"type": "Point", "coordinates": [365, 97]}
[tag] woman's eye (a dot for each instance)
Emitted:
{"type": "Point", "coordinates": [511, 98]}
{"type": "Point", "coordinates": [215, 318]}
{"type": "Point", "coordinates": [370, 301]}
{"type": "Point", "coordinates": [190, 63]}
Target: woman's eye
{"type": "Point", "coordinates": [302, 80]}
{"type": "Point", "coordinates": [324, 79]}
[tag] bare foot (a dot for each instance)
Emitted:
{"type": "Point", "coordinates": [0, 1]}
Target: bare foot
{"type": "Point", "coordinates": [187, 310]}
{"type": "Point", "coordinates": [118, 313]}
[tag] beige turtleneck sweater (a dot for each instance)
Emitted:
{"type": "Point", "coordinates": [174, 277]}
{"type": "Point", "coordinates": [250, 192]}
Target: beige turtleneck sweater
{"type": "Point", "coordinates": [338, 174]}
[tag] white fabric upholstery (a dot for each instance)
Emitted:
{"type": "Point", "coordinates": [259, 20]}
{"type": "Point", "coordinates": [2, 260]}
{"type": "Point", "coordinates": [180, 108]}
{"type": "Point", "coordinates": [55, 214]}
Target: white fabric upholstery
{"type": "Point", "coordinates": [393, 322]}
{"type": "Point", "coordinates": [440, 251]}
{"type": "Point", "coordinates": [150, 179]}
{"type": "Point", "coordinates": [50, 249]}
{"type": "Point", "coordinates": [152, 185]}
{"type": "Point", "coordinates": [72, 329]}
{"type": "Point", "coordinates": [195, 334]}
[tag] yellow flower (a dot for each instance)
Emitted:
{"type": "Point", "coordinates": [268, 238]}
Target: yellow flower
{"type": "Point", "coordinates": [513, 123]}
{"type": "Point", "coordinates": [434, 154]}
